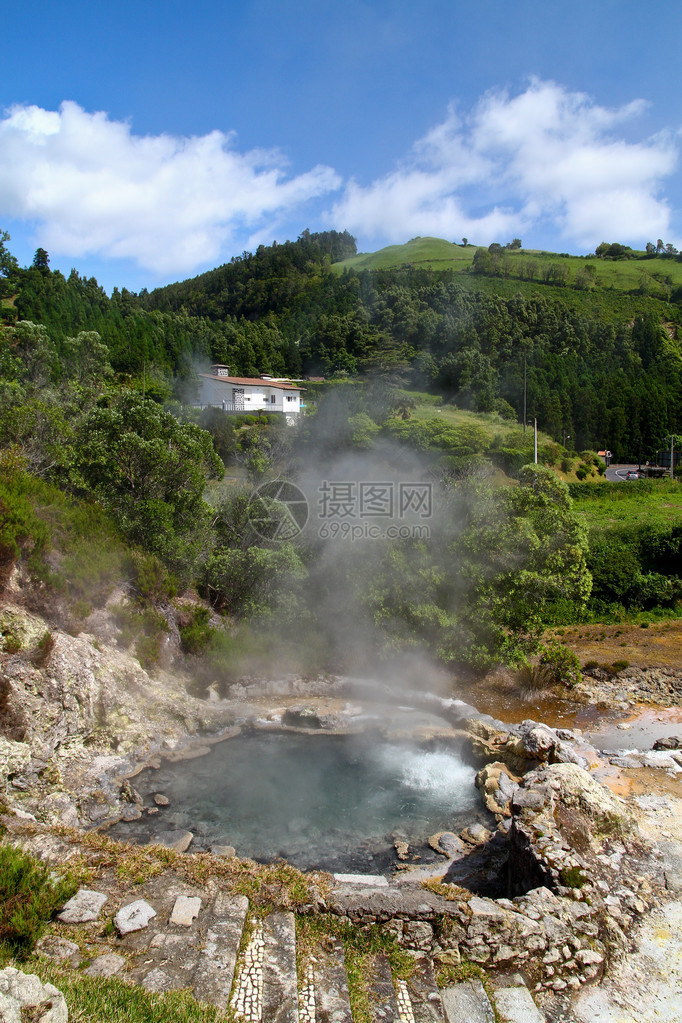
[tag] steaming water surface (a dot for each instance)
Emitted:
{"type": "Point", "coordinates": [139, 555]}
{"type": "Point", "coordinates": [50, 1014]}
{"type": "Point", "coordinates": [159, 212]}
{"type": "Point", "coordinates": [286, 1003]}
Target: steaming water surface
{"type": "Point", "coordinates": [334, 802]}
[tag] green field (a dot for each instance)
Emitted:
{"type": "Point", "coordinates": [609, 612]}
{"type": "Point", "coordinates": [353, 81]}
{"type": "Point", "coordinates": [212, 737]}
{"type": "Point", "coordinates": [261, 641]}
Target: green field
{"type": "Point", "coordinates": [606, 506]}
{"type": "Point", "coordinates": [624, 287]}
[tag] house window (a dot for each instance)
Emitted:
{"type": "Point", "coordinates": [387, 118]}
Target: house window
{"type": "Point", "coordinates": [273, 398]}
{"type": "Point", "coordinates": [291, 397]}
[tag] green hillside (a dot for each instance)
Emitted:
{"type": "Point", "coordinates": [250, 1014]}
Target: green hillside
{"type": "Point", "coordinates": [432, 253]}
{"type": "Point", "coordinates": [638, 284]}
{"type": "Point", "coordinates": [597, 337]}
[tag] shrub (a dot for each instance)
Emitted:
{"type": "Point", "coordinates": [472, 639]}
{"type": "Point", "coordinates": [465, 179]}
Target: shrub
{"type": "Point", "coordinates": [619, 666]}
{"type": "Point", "coordinates": [561, 666]}
{"type": "Point", "coordinates": [196, 633]}
{"type": "Point", "coordinates": [581, 472]}
{"type": "Point", "coordinates": [19, 527]}
{"type": "Point", "coordinates": [41, 654]}
{"type": "Point", "coordinates": [151, 579]}
{"type": "Point", "coordinates": [588, 665]}
{"type": "Point", "coordinates": [28, 899]}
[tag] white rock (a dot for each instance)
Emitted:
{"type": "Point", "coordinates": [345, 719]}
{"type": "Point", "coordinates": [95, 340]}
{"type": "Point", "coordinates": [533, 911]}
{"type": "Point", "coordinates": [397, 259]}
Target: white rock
{"type": "Point", "coordinates": [134, 917]}
{"type": "Point", "coordinates": [85, 905]}
{"type": "Point", "coordinates": [185, 910]}
{"type": "Point", "coordinates": [18, 990]}
{"type": "Point", "coordinates": [373, 880]}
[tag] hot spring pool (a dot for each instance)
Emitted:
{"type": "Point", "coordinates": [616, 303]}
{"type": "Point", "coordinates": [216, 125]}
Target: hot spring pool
{"type": "Point", "coordinates": [327, 801]}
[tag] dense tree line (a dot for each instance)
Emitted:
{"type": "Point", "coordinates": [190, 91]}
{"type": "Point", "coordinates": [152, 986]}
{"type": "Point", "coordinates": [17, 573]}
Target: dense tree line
{"type": "Point", "coordinates": [602, 381]}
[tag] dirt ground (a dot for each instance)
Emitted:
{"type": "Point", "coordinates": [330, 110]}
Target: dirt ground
{"type": "Point", "coordinates": [657, 646]}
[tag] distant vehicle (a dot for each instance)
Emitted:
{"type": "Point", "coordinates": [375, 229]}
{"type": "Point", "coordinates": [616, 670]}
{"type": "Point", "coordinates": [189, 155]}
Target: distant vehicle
{"type": "Point", "coordinates": [632, 476]}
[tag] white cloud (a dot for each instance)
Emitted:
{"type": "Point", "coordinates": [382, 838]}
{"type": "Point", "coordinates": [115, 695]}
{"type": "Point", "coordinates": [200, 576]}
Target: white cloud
{"type": "Point", "coordinates": [171, 204]}
{"type": "Point", "coordinates": [515, 161]}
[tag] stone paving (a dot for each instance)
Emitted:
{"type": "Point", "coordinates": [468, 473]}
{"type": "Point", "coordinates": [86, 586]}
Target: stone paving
{"type": "Point", "coordinates": [177, 936]}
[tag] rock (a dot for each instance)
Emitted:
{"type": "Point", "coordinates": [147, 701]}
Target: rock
{"type": "Point", "coordinates": [134, 917]}
{"type": "Point", "coordinates": [515, 1005]}
{"type": "Point", "coordinates": [371, 880]}
{"type": "Point", "coordinates": [588, 957]}
{"type": "Point", "coordinates": [222, 850]}
{"type": "Point", "coordinates": [185, 910]}
{"type": "Point", "coordinates": [447, 844]}
{"type": "Point", "coordinates": [178, 840]}
{"type": "Point", "coordinates": [131, 812]}
{"type": "Point", "coordinates": [54, 947]}
{"type": "Point", "coordinates": [402, 849]}
{"type": "Point", "coordinates": [576, 787]}
{"type": "Point", "coordinates": [467, 1001]}
{"type": "Point", "coordinates": [85, 905]}
{"type": "Point", "coordinates": [160, 799]}
{"type": "Point", "coordinates": [301, 717]}
{"type": "Point", "coordinates": [537, 741]}
{"type": "Point", "coordinates": [660, 759]}
{"type": "Point", "coordinates": [475, 834]}
{"type": "Point", "coordinates": [107, 965]}
{"type": "Point", "coordinates": [20, 992]}
{"type": "Point", "coordinates": [497, 787]}
{"type": "Point", "coordinates": [668, 743]}
{"type": "Point", "coordinates": [15, 758]}
{"type": "Point", "coordinates": [128, 794]}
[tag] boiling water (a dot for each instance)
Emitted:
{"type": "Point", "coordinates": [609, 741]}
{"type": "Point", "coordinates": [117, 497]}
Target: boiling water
{"type": "Point", "coordinates": [334, 802]}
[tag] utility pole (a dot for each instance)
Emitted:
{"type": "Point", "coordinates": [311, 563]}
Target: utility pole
{"type": "Point", "coordinates": [524, 393]}
{"type": "Point", "coordinates": [535, 433]}
{"type": "Point", "coordinates": [672, 452]}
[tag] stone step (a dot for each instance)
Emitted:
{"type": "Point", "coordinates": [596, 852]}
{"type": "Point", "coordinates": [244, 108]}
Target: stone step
{"type": "Point", "coordinates": [382, 993]}
{"type": "Point", "coordinates": [165, 952]}
{"type": "Point", "coordinates": [214, 974]}
{"type": "Point", "coordinates": [280, 982]}
{"type": "Point", "coordinates": [516, 1005]}
{"type": "Point", "coordinates": [467, 1002]}
{"type": "Point", "coordinates": [423, 992]}
{"type": "Point", "coordinates": [331, 997]}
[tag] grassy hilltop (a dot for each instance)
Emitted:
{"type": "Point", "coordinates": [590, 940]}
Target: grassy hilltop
{"type": "Point", "coordinates": [637, 283]}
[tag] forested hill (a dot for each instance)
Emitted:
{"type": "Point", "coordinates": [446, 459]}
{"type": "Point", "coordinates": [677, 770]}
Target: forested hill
{"type": "Point", "coordinates": [599, 335]}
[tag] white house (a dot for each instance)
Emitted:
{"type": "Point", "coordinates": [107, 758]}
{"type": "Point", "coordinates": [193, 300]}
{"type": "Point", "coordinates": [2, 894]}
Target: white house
{"type": "Point", "coordinates": [248, 394]}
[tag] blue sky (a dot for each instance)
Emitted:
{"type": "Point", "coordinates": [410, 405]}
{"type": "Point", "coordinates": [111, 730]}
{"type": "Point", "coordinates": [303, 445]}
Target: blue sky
{"type": "Point", "coordinates": [145, 142]}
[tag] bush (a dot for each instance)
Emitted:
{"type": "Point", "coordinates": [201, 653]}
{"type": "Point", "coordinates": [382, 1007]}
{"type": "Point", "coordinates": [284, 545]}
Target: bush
{"type": "Point", "coordinates": [582, 473]}
{"type": "Point", "coordinates": [43, 651]}
{"type": "Point", "coordinates": [28, 899]}
{"type": "Point", "coordinates": [561, 666]}
{"type": "Point", "coordinates": [152, 581]}
{"type": "Point", "coordinates": [19, 526]}
{"type": "Point", "coordinates": [619, 666]}
{"type": "Point", "coordinates": [196, 633]}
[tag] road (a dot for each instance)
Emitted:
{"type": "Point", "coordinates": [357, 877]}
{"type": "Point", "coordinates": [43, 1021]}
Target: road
{"type": "Point", "coordinates": [617, 473]}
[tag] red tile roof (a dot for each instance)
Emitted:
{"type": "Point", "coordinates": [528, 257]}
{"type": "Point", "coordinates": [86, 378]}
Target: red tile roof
{"type": "Point", "coordinates": [252, 381]}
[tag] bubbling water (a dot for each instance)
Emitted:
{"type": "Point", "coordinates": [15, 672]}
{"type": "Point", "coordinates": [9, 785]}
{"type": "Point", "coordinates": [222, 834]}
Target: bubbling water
{"type": "Point", "coordinates": [326, 801]}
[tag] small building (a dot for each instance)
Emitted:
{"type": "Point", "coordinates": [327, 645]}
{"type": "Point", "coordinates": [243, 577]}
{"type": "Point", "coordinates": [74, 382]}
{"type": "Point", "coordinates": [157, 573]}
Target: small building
{"type": "Point", "coordinates": [249, 394]}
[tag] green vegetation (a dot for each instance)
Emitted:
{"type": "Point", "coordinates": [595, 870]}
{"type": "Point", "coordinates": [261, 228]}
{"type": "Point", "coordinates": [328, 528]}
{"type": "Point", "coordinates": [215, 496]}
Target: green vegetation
{"type": "Point", "coordinates": [599, 336]}
{"type": "Point", "coordinates": [105, 467]}
{"type": "Point", "coordinates": [635, 544]}
{"type": "Point", "coordinates": [28, 898]}
{"type": "Point", "coordinates": [107, 1000]}
{"type": "Point", "coordinates": [360, 947]}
